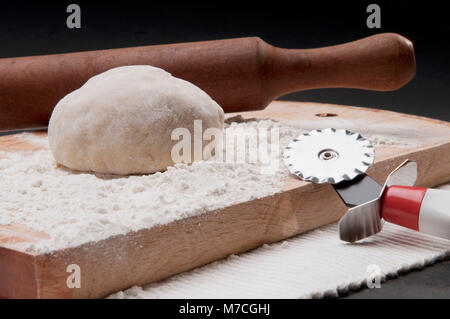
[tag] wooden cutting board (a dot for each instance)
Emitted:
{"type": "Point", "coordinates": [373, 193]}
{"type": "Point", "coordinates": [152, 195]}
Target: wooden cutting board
{"type": "Point", "coordinates": [152, 254]}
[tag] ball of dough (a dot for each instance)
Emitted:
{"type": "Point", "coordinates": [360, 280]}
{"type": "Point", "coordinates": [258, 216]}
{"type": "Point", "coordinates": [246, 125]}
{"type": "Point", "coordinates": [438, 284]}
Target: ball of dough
{"type": "Point", "coordinates": [120, 121]}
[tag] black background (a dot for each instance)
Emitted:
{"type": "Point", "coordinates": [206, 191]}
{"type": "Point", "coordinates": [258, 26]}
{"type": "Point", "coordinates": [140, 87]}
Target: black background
{"type": "Point", "coordinates": [40, 28]}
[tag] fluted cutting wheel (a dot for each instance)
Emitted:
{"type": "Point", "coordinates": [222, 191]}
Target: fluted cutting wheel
{"type": "Point", "coordinates": [329, 155]}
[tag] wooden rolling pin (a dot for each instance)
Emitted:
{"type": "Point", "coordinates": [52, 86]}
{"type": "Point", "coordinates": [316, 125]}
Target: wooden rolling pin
{"type": "Point", "coordinates": [240, 74]}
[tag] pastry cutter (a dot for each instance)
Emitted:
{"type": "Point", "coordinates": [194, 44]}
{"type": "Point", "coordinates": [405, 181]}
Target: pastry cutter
{"type": "Point", "coordinates": [341, 157]}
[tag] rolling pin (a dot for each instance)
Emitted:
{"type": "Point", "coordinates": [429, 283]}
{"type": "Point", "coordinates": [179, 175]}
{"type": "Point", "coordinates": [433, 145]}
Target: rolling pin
{"type": "Point", "coordinates": [239, 74]}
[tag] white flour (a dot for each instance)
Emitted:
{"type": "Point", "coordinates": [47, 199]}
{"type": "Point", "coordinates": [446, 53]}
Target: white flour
{"type": "Point", "coordinates": [74, 208]}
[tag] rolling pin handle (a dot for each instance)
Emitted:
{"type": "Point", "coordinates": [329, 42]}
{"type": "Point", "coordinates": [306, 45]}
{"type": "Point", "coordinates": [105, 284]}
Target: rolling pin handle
{"type": "Point", "coordinates": [383, 62]}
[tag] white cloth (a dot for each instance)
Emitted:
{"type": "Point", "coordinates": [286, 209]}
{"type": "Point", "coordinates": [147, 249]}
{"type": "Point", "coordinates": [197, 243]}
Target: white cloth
{"type": "Point", "coordinates": [314, 264]}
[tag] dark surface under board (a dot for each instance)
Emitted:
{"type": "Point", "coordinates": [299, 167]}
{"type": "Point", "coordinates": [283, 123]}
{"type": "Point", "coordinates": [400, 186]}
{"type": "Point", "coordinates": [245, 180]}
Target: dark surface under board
{"type": "Point", "coordinates": [429, 282]}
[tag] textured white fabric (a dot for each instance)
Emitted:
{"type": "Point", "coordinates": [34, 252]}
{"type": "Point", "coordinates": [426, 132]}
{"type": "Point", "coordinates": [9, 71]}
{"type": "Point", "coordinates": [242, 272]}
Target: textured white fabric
{"type": "Point", "coordinates": [314, 264]}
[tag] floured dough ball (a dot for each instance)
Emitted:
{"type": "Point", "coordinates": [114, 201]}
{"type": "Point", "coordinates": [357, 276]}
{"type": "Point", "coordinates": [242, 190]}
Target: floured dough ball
{"type": "Point", "coordinates": [120, 121]}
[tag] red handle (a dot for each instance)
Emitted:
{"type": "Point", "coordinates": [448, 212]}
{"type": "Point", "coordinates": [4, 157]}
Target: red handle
{"type": "Point", "coordinates": [423, 209]}
{"type": "Point", "coordinates": [401, 205]}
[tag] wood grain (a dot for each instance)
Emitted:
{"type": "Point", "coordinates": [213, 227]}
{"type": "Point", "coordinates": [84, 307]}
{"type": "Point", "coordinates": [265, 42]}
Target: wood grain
{"type": "Point", "coordinates": [152, 254]}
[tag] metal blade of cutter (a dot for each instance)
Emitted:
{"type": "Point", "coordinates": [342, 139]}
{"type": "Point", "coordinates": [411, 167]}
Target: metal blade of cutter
{"type": "Point", "coordinates": [336, 156]}
{"type": "Point", "coordinates": [361, 221]}
{"type": "Point", "coordinates": [364, 220]}
{"type": "Point", "coordinates": [360, 190]}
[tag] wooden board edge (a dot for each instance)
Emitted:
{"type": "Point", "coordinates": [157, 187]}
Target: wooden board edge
{"type": "Point", "coordinates": [18, 275]}
{"type": "Point", "coordinates": [189, 243]}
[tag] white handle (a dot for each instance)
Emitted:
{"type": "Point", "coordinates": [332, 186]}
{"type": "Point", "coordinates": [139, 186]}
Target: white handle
{"type": "Point", "coordinates": [434, 217]}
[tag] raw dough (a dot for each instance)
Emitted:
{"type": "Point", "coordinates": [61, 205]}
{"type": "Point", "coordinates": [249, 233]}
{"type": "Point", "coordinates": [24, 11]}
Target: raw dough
{"type": "Point", "coordinates": [120, 121]}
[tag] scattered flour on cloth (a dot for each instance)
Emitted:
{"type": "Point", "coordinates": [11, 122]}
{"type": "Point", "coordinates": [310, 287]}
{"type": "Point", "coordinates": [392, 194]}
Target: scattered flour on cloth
{"type": "Point", "coordinates": [315, 264]}
{"type": "Point", "coordinates": [74, 208]}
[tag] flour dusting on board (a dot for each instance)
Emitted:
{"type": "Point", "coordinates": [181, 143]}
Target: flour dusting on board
{"type": "Point", "coordinates": [74, 208]}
